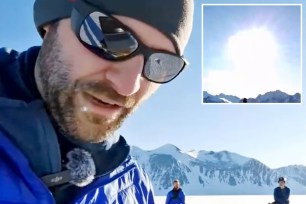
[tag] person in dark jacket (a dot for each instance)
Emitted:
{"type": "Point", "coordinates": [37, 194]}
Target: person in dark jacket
{"type": "Point", "coordinates": [176, 195]}
{"type": "Point", "coordinates": [282, 192]}
{"type": "Point", "coordinates": [61, 103]}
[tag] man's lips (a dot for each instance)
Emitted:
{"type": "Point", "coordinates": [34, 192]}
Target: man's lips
{"type": "Point", "coordinates": [105, 108]}
{"type": "Point", "coordinates": [102, 101]}
{"type": "Point", "coordinates": [105, 100]}
{"type": "Point", "coordinates": [105, 104]}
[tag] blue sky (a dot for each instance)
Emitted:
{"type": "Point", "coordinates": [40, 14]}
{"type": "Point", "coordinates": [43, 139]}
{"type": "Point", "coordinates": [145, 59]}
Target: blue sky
{"type": "Point", "coordinates": [273, 134]}
{"type": "Point", "coordinates": [249, 50]}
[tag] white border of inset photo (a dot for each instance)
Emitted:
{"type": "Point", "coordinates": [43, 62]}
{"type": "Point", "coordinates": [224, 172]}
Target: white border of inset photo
{"type": "Point", "coordinates": [301, 53]}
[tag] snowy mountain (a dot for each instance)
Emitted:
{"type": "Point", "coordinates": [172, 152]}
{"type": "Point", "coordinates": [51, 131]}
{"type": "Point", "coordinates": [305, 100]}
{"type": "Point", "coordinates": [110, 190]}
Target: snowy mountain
{"type": "Point", "coordinates": [232, 99]}
{"type": "Point", "coordinates": [215, 173]}
{"type": "Point", "coordinates": [278, 97]}
{"type": "Point", "coordinates": [208, 98]}
{"type": "Point", "coordinates": [269, 97]}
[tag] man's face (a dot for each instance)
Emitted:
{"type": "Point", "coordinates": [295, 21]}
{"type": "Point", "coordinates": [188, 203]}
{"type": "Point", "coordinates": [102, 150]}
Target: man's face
{"type": "Point", "coordinates": [176, 185]}
{"type": "Point", "coordinates": [89, 97]}
{"type": "Point", "coordinates": [281, 184]}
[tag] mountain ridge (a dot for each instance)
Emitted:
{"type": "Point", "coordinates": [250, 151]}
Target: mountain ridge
{"type": "Point", "coordinates": [215, 173]}
{"type": "Point", "coordinates": [276, 96]}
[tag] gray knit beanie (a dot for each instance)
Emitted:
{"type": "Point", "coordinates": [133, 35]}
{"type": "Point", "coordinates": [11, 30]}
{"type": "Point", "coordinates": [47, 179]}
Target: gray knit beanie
{"type": "Point", "coordinates": [172, 17]}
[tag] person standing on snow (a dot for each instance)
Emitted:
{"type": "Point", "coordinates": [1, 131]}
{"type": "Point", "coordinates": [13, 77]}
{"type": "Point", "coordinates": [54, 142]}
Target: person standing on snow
{"type": "Point", "coordinates": [176, 195]}
{"type": "Point", "coordinates": [282, 192]}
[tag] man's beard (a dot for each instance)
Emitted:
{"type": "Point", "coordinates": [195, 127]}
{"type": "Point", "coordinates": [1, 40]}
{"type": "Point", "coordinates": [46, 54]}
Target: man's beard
{"type": "Point", "coordinates": [59, 95]}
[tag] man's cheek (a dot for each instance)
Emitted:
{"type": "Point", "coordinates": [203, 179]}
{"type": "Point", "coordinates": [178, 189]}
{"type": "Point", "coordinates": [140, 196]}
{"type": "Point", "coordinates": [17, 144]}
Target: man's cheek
{"type": "Point", "coordinates": [148, 90]}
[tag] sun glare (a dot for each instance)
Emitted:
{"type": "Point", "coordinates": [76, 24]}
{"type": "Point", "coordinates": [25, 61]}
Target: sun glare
{"type": "Point", "coordinates": [254, 47]}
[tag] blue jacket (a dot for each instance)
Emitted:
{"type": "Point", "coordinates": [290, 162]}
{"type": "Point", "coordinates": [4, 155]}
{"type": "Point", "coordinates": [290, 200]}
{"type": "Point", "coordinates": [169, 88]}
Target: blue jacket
{"type": "Point", "coordinates": [175, 197]}
{"type": "Point", "coordinates": [281, 197]}
{"type": "Point", "coordinates": [30, 148]}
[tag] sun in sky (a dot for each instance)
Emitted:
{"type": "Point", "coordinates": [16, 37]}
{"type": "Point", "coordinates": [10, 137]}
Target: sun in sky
{"type": "Point", "coordinates": [254, 54]}
{"type": "Point", "coordinates": [253, 65]}
{"type": "Point", "coordinates": [255, 47]}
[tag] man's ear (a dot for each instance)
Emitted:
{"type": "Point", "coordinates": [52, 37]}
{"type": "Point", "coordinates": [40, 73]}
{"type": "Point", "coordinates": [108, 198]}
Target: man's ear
{"type": "Point", "coordinates": [45, 30]}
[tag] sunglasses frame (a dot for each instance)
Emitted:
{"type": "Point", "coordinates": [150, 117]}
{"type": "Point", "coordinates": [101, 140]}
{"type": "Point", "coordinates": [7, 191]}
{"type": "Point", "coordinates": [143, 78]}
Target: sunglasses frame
{"type": "Point", "coordinates": [78, 16]}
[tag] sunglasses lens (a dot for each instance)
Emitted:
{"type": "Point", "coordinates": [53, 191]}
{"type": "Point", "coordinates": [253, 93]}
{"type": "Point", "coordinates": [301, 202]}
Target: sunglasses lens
{"type": "Point", "coordinates": [163, 67]}
{"type": "Point", "coordinates": [105, 37]}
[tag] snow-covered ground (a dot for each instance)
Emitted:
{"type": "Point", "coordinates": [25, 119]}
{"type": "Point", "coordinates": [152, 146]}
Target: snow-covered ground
{"type": "Point", "coordinates": [294, 199]}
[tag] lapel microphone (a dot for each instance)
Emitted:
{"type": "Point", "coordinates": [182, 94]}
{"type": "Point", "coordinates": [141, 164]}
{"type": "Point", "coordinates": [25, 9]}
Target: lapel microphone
{"type": "Point", "coordinates": [81, 170]}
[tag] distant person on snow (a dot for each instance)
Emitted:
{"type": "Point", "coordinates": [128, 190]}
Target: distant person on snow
{"type": "Point", "coordinates": [176, 195]}
{"type": "Point", "coordinates": [281, 193]}
{"type": "Point", "coordinates": [245, 100]}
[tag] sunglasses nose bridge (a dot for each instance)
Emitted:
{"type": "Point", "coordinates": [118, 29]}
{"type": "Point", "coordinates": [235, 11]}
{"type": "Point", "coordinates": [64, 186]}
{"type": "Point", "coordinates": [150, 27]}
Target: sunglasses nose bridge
{"type": "Point", "coordinates": [144, 51]}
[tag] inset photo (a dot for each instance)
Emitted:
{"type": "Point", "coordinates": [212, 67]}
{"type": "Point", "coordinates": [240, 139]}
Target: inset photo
{"type": "Point", "coordinates": [251, 53]}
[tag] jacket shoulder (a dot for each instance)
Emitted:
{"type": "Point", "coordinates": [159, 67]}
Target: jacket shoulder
{"type": "Point", "coordinates": [8, 59]}
{"type": "Point", "coordinates": [7, 55]}
{"type": "Point", "coordinates": [169, 193]}
{"type": "Point", "coordinates": [127, 183]}
{"type": "Point", "coordinates": [17, 179]}
{"type": "Point", "coordinates": [13, 68]}
{"type": "Point", "coordinates": [182, 192]}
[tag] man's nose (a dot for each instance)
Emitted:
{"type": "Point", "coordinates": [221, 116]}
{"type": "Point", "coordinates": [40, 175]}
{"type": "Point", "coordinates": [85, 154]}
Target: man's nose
{"type": "Point", "coordinates": [125, 76]}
